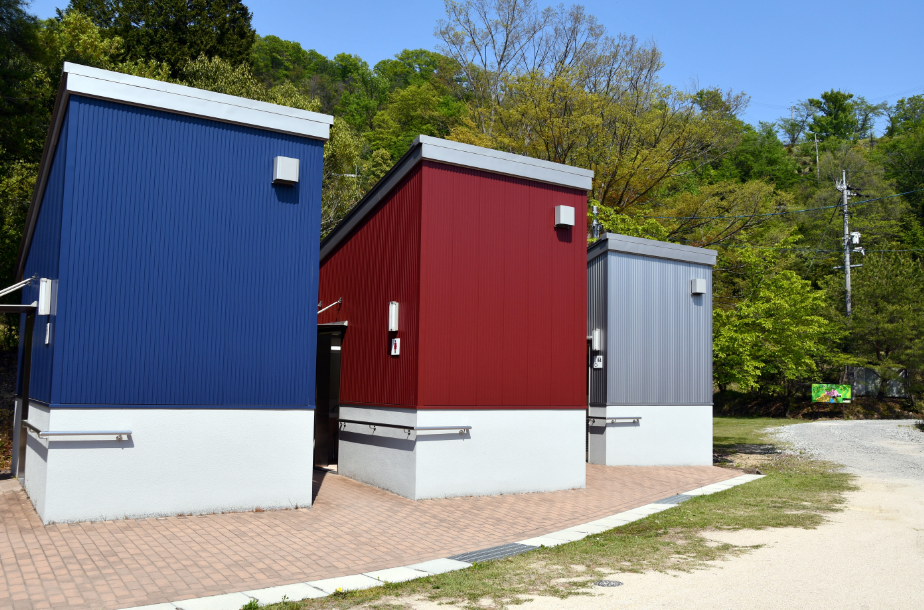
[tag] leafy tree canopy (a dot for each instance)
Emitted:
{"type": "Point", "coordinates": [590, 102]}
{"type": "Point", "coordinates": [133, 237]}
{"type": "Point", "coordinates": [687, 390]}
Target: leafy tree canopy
{"type": "Point", "coordinates": [758, 156]}
{"type": "Point", "coordinates": [906, 116]}
{"type": "Point", "coordinates": [835, 116]}
{"type": "Point", "coordinates": [174, 32]}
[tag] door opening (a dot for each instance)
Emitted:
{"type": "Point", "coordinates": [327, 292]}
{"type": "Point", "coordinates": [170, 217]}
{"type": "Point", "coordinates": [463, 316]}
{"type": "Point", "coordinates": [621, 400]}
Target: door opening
{"type": "Point", "coordinates": [327, 394]}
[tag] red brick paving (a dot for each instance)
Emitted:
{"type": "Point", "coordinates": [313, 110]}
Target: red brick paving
{"type": "Point", "coordinates": [351, 528]}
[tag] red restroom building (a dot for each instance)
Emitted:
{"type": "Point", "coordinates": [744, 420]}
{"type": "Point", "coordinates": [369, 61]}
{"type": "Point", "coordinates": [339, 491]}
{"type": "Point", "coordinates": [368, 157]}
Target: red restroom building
{"type": "Point", "coordinates": [452, 327]}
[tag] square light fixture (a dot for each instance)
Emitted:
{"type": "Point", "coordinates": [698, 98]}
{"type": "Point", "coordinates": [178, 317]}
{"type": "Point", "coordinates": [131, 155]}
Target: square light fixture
{"type": "Point", "coordinates": [564, 216]}
{"type": "Point", "coordinates": [285, 170]}
{"type": "Point", "coordinates": [698, 286]}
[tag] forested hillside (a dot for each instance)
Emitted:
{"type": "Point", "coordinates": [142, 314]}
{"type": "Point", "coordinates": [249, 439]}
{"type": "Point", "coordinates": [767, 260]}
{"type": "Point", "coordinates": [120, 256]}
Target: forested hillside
{"type": "Point", "coordinates": [556, 84]}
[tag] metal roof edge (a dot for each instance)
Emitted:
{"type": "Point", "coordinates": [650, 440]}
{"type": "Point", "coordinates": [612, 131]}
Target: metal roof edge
{"type": "Point", "coordinates": [180, 99]}
{"type": "Point", "coordinates": [509, 164]}
{"type": "Point", "coordinates": [614, 242]}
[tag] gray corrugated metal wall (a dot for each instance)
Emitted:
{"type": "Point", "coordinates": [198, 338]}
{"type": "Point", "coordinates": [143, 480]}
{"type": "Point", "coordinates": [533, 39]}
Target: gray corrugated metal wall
{"type": "Point", "coordinates": [658, 336]}
{"type": "Point", "coordinates": [596, 318]}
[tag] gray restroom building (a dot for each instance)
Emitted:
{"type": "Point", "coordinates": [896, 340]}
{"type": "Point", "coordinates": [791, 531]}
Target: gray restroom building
{"type": "Point", "coordinates": [649, 330]}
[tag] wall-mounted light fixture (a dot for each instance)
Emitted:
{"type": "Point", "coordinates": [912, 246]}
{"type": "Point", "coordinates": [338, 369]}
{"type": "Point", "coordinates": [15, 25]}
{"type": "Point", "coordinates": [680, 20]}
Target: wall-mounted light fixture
{"type": "Point", "coordinates": [564, 216]}
{"type": "Point", "coordinates": [393, 316]}
{"type": "Point", "coordinates": [44, 300]}
{"type": "Point", "coordinates": [596, 340]}
{"type": "Point", "coordinates": [698, 286]}
{"type": "Point", "coordinates": [285, 170]}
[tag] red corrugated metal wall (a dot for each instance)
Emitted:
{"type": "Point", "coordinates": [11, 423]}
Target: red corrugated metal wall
{"type": "Point", "coordinates": [502, 292]}
{"type": "Point", "coordinates": [378, 263]}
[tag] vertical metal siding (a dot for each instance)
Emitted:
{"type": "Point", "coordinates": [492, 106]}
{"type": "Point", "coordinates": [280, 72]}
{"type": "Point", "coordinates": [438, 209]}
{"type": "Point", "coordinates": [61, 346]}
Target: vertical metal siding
{"type": "Point", "coordinates": [502, 292]}
{"type": "Point", "coordinates": [378, 263]}
{"type": "Point", "coordinates": [597, 318]}
{"type": "Point", "coordinates": [42, 262]}
{"type": "Point", "coordinates": [659, 336]}
{"type": "Point", "coordinates": [187, 277]}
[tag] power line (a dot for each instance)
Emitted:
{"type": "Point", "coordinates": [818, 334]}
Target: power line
{"type": "Point", "coordinates": [750, 247]}
{"type": "Point", "coordinates": [827, 207]}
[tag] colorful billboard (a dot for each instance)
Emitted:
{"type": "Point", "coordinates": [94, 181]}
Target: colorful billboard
{"type": "Point", "coordinates": [831, 392]}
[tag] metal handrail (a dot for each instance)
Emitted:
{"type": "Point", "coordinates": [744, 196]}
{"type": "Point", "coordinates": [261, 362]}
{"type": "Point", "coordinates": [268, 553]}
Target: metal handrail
{"type": "Point", "coordinates": [408, 429]}
{"type": "Point", "coordinates": [607, 420]}
{"type": "Point", "coordinates": [17, 286]}
{"type": "Point", "coordinates": [47, 433]}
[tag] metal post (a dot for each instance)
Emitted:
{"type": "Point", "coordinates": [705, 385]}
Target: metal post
{"type": "Point", "coordinates": [845, 195]}
{"type": "Point", "coordinates": [17, 465]}
{"type": "Point", "coordinates": [817, 169]}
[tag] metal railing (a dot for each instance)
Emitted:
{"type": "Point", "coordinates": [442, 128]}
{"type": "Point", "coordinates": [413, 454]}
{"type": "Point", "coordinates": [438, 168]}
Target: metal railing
{"type": "Point", "coordinates": [408, 429]}
{"type": "Point", "coordinates": [606, 420]}
{"type": "Point", "coordinates": [118, 434]}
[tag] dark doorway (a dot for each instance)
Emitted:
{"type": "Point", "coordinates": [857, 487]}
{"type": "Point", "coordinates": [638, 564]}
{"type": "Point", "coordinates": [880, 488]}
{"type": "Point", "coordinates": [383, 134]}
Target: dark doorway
{"type": "Point", "coordinates": [327, 394]}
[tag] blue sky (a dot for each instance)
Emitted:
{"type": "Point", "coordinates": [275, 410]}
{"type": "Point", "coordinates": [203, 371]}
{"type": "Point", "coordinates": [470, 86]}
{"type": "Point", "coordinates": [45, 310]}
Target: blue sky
{"type": "Point", "coordinates": [778, 52]}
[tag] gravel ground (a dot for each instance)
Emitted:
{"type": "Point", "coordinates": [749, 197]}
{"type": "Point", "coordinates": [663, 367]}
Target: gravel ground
{"type": "Point", "coordinates": [869, 556]}
{"type": "Point", "coordinates": [881, 449]}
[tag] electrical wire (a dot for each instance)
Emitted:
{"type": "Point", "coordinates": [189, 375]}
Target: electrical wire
{"type": "Point", "coordinates": [827, 207]}
{"type": "Point", "coordinates": [805, 249]}
{"type": "Point", "coordinates": [821, 239]}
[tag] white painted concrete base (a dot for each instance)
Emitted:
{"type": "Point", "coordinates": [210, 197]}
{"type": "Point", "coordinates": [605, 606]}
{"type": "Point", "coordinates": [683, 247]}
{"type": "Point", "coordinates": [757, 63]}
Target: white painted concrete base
{"type": "Point", "coordinates": [664, 436]}
{"type": "Point", "coordinates": [177, 461]}
{"type": "Point", "coordinates": [506, 451]}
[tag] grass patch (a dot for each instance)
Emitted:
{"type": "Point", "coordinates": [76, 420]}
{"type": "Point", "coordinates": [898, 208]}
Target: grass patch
{"type": "Point", "coordinates": [796, 492]}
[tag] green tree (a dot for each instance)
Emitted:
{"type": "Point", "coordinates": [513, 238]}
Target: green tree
{"type": "Point", "coordinates": [758, 156]}
{"type": "Point", "coordinates": [772, 338]}
{"type": "Point", "coordinates": [416, 67]}
{"type": "Point", "coordinates": [797, 123]}
{"type": "Point", "coordinates": [276, 61]}
{"type": "Point", "coordinates": [216, 74]}
{"type": "Point", "coordinates": [175, 32]}
{"type": "Point", "coordinates": [412, 111]}
{"type": "Point", "coordinates": [907, 115]}
{"type": "Point", "coordinates": [902, 157]}
{"type": "Point", "coordinates": [835, 117]}
{"type": "Point", "coordinates": [21, 93]}
{"type": "Point", "coordinates": [886, 330]}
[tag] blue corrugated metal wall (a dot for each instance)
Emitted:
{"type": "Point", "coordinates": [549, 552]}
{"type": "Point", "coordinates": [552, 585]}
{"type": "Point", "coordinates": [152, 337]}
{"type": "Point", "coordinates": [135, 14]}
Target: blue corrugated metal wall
{"type": "Point", "coordinates": [43, 263]}
{"type": "Point", "coordinates": [187, 278]}
{"type": "Point", "coordinates": [658, 336]}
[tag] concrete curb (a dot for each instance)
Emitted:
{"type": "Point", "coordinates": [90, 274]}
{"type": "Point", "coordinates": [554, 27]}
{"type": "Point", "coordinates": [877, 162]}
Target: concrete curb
{"type": "Point", "coordinates": [322, 588]}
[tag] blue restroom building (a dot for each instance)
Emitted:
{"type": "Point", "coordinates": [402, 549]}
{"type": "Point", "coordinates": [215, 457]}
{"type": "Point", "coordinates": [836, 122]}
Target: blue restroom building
{"type": "Point", "coordinates": [173, 360]}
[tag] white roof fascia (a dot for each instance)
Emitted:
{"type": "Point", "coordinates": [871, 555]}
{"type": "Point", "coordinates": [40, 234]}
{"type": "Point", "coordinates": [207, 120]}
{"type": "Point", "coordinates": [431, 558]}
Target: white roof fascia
{"type": "Point", "coordinates": [613, 242]}
{"type": "Point", "coordinates": [476, 157]}
{"type": "Point", "coordinates": [158, 95]}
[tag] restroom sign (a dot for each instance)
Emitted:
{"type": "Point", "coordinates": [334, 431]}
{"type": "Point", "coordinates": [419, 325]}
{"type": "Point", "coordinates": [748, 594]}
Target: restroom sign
{"type": "Point", "coordinates": [395, 346]}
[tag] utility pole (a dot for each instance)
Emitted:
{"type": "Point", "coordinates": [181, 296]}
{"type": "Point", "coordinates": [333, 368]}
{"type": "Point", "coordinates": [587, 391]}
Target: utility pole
{"type": "Point", "coordinates": [849, 238]}
{"type": "Point", "coordinates": [817, 170]}
{"type": "Point", "coordinates": [845, 196]}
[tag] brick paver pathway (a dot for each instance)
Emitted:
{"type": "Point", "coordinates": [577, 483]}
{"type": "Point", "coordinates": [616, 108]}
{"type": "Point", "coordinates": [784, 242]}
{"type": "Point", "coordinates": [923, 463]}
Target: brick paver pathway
{"type": "Point", "coordinates": [351, 528]}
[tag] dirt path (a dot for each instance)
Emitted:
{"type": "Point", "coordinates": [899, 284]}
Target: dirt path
{"type": "Point", "coordinates": [869, 556]}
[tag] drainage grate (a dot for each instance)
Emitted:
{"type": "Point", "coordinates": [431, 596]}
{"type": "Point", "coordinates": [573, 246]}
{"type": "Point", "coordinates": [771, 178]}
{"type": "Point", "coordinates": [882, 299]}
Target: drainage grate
{"type": "Point", "coordinates": [674, 499]}
{"type": "Point", "coordinates": [607, 583]}
{"type": "Point", "coordinates": [495, 552]}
